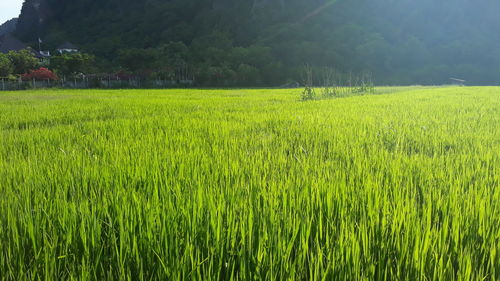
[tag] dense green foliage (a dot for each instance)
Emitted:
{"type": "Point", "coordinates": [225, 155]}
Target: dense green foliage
{"type": "Point", "coordinates": [23, 61]}
{"type": "Point", "coordinates": [19, 62]}
{"type": "Point", "coordinates": [250, 185]}
{"type": "Point", "coordinates": [261, 42]}
{"type": "Point", "coordinates": [16, 63]}
{"type": "Point", "coordinates": [70, 64]}
{"type": "Point", "coordinates": [6, 66]}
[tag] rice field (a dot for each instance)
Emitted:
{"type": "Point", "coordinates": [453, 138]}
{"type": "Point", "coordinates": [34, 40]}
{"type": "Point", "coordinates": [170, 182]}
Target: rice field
{"type": "Point", "coordinates": [250, 185]}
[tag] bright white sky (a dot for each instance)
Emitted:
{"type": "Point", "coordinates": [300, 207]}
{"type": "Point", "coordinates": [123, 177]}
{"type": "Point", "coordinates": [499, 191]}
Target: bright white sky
{"type": "Point", "coordinates": [9, 9]}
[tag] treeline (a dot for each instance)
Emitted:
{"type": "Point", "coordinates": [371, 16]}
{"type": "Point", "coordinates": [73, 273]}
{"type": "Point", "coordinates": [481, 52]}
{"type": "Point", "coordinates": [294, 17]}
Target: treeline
{"type": "Point", "coordinates": [213, 61]}
{"type": "Point", "coordinates": [22, 64]}
{"type": "Point", "coordinates": [250, 42]}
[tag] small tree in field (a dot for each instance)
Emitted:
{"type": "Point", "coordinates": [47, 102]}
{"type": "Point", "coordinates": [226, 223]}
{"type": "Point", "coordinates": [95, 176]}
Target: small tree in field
{"type": "Point", "coordinates": [308, 93]}
{"type": "Point", "coordinates": [329, 87]}
{"type": "Point", "coordinates": [40, 74]}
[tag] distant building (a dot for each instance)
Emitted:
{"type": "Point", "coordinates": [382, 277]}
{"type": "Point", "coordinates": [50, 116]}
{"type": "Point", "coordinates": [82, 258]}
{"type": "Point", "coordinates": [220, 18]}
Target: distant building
{"type": "Point", "coordinates": [10, 43]}
{"type": "Point", "coordinates": [67, 48]}
{"type": "Point", "coordinates": [45, 54]}
{"type": "Point", "coordinates": [44, 57]}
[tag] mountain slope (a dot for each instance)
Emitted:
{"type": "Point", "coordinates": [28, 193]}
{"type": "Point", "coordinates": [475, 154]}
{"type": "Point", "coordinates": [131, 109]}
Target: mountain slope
{"type": "Point", "coordinates": [8, 27]}
{"type": "Point", "coordinates": [400, 42]}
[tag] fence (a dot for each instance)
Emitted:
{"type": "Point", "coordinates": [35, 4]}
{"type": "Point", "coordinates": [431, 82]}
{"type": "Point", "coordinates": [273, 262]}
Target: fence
{"type": "Point", "coordinates": [89, 83]}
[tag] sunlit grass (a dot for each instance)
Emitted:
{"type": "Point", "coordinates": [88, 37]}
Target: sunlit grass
{"type": "Point", "coordinates": [250, 185]}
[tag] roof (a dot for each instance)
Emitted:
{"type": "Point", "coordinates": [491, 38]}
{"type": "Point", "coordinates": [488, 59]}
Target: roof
{"type": "Point", "coordinates": [67, 45]}
{"type": "Point", "coordinates": [458, 80]}
{"type": "Point", "coordinates": [35, 53]}
{"type": "Point", "coordinates": [10, 43]}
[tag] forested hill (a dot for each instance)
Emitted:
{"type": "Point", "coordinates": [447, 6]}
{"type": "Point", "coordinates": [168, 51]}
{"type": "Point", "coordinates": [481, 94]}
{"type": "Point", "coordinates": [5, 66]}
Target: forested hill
{"type": "Point", "coordinates": [267, 41]}
{"type": "Point", "coordinates": [8, 27]}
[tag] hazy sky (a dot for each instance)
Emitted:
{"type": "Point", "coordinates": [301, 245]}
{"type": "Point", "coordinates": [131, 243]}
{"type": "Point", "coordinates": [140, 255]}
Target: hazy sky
{"type": "Point", "coordinates": [9, 9]}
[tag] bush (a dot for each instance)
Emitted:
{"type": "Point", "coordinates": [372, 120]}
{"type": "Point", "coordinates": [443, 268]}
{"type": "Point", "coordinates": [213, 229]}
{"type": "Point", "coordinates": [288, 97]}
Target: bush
{"type": "Point", "coordinates": [40, 74]}
{"type": "Point", "coordinates": [309, 93]}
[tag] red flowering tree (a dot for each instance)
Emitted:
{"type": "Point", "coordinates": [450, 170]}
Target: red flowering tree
{"type": "Point", "coordinates": [40, 74]}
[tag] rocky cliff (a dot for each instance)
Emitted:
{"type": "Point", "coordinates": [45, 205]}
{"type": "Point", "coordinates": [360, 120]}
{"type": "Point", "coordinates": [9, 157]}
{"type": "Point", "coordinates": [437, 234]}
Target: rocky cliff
{"type": "Point", "coordinates": [35, 14]}
{"type": "Point", "coordinates": [8, 27]}
{"type": "Point", "coordinates": [40, 17]}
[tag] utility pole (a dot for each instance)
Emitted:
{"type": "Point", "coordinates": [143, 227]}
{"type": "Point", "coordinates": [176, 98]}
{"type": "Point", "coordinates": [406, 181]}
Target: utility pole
{"type": "Point", "coordinates": [39, 45]}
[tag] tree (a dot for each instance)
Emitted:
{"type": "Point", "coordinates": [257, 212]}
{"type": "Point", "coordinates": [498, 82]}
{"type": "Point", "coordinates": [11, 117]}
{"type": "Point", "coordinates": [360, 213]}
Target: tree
{"type": "Point", "coordinates": [173, 54]}
{"type": "Point", "coordinates": [215, 76]}
{"type": "Point", "coordinates": [70, 64]}
{"type": "Point", "coordinates": [138, 60]}
{"type": "Point", "coordinates": [40, 74]}
{"type": "Point", "coordinates": [248, 75]}
{"type": "Point", "coordinates": [23, 61]}
{"type": "Point", "coordinates": [6, 66]}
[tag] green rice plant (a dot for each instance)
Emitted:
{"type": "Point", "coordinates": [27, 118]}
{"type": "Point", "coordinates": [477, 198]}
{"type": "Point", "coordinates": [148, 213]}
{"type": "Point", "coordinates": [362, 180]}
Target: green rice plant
{"type": "Point", "coordinates": [250, 185]}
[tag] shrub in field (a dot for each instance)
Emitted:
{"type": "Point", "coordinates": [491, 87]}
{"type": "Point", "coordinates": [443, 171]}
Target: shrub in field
{"type": "Point", "coordinates": [40, 74]}
{"type": "Point", "coordinates": [364, 85]}
{"type": "Point", "coordinates": [309, 92]}
{"type": "Point", "coordinates": [336, 85]}
{"type": "Point", "coordinates": [329, 87]}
